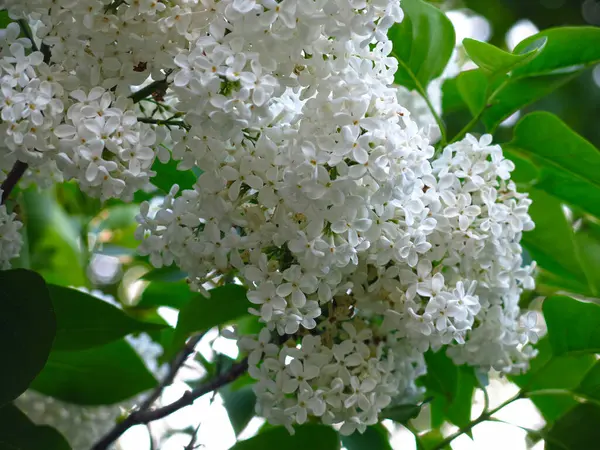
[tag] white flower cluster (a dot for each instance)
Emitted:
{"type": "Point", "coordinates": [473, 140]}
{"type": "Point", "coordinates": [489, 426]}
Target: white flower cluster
{"type": "Point", "coordinates": [10, 238]}
{"type": "Point", "coordinates": [69, 117]}
{"type": "Point", "coordinates": [361, 247]}
{"type": "Point", "coordinates": [82, 425]}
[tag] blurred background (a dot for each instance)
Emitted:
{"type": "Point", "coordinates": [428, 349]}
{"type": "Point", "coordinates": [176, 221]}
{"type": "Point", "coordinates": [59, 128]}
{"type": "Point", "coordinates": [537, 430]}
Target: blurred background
{"type": "Point", "coordinates": [73, 240]}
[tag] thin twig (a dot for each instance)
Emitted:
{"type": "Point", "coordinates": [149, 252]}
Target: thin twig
{"type": "Point", "coordinates": [144, 417]}
{"type": "Point", "coordinates": [174, 367]}
{"type": "Point", "coordinates": [12, 179]}
{"type": "Point", "coordinates": [192, 444]}
{"type": "Point", "coordinates": [482, 418]}
{"type": "Point", "coordinates": [158, 86]}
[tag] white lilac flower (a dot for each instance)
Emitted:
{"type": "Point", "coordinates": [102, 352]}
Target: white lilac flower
{"type": "Point", "coordinates": [361, 247]}
{"type": "Point", "coordinates": [10, 237]}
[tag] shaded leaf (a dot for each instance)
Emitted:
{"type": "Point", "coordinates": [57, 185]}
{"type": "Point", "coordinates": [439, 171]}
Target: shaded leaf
{"type": "Point", "coordinates": [401, 413]}
{"type": "Point", "coordinates": [375, 437]}
{"type": "Point", "coordinates": [84, 321]}
{"type": "Point", "coordinates": [17, 432]}
{"type": "Point", "coordinates": [307, 436]}
{"type": "Point", "coordinates": [576, 430]}
{"type": "Point", "coordinates": [99, 376]}
{"type": "Point", "coordinates": [159, 293]}
{"type": "Point", "coordinates": [239, 404]}
{"type": "Point", "coordinates": [27, 329]}
{"type": "Point", "coordinates": [551, 243]}
{"type": "Point", "coordinates": [169, 274]}
{"type": "Point", "coordinates": [573, 325]}
{"type": "Point", "coordinates": [225, 304]}
{"type": "Point", "coordinates": [473, 87]}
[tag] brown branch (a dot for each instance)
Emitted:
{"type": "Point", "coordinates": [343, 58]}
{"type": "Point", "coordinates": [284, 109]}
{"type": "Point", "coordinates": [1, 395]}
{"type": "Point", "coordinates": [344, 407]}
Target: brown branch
{"type": "Point", "coordinates": [174, 367]}
{"type": "Point", "coordinates": [144, 417]}
{"type": "Point", "coordinates": [12, 179]}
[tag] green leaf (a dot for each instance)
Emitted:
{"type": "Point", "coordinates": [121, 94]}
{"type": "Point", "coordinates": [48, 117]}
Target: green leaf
{"type": "Point", "coordinates": [54, 239]}
{"type": "Point", "coordinates": [99, 376]}
{"type": "Point", "coordinates": [431, 440]}
{"type": "Point", "coordinates": [473, 87]}
{"type": "Point", "coordinates": [84, 321]}
{"type": "Point", "coordinates": [401, 413]}
{"type": "Point", "coordinates": [551, 243]}
{"type": "Point", "coordinates": [307, 436]}
{"type": "Point", "coordinates": [422, 43]}
{"type": "Point", "coordinates": [576, 430]}
{"type": "Point", "coordinates": [442, 375]}
{"type": "Point", "coordinates": [548, 371]}
{"type": "Point", "coordinates": [567, 49]}
{"type": "Point", "coordinates": [225, 304]}
{"type": "Point", "coordinates": [159, 293]}
{"type": "Point", "coordinates": [568, 165]}
{"type": "Point", "coordinates": [169, 274]}
{"type": "Point", "coordinates": [452, 99]}
{"type": "Point", "coordinates": [4, 19]}
{"type": "Point", "coordinates": [495, 61]}
{"type": "Point", "coordinates": [239, 404]}
{"type": "Point", "coordinates": [167, 175]}
{"type": "Point", "coordinates": [517, 93]}
{"type": "Point", "coordinates": [375, 437]}
{"type": "Point", "coordinates": [452, 388]}
{"type": "Point", "coordinates": [573, 326]}
{"type": "Point", "coordinates": [590, 385]}
{"type": "Point", "coordinates": [27, 329]}
{"type": "Point", "coordinates": [17, 432]}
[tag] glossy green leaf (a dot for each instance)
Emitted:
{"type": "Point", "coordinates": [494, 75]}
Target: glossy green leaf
{"type": "Point", "coordinates": [240, 404]}
{"type": "Point", "coordinates": [551, 372]}
{"type": "Point", "coordinates": [551, 244]}
{"type": "Point", "coordinates": [401, 413]}
{"type": "Point", "coordinates": [167, 175]}
{"type": "Point", "coordinates": [518, 93]}
{"type": "Point", "coordinates": [226, 303]}
{"type": "Point", "coordinates": [576, 430]}
{"type": "Point", "coordinates": [17, 432]}
{"type": "Point", "coordinates": [473, 87]}
{"type": "Point", "coordinates": [4, 19]}
{"type": "Point", "coordinates": [99, 376]}
{"type": "Point", "coordinates": [160, 293]}
{"type": "Point", "coordinates": [496, 61]}
{"type": "Point", "coordinates": [422, 43]}
{"type": "Point", "coordinates": [568, 165]}
{"type": "Point", "coordinates": [442, 375]}
{"type": "Point", "coordinates": [566, 49]}
{"type": "Point", "coordinates": [27, 329]}
{"type": "Point", "coordinates": [375, 437]}
{"type": "Point", "coordinates": [573, 325]}
{"type": "Point", "coordinates": [169, 274]}
{"type": "Point", "coordinates": [452, 99]}
{"type": "Point", "coordinates": [590, 385]}
{"type": "Point", "coordinates": [451, 387]}
{"type": "Point", "coordinates": [307, 436]}
{"type": "Point", "coordinates": [84, 321]}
